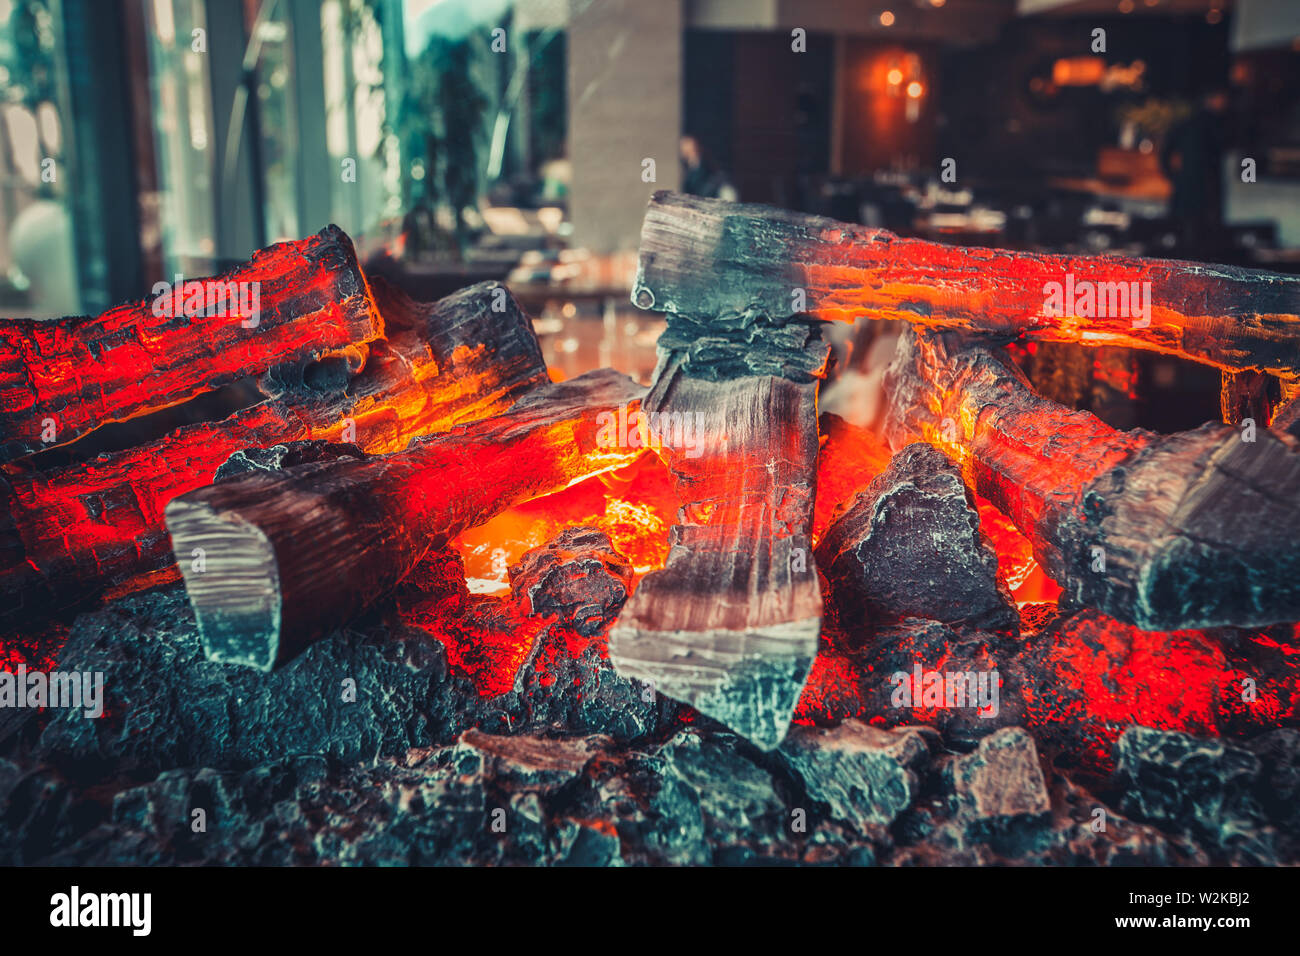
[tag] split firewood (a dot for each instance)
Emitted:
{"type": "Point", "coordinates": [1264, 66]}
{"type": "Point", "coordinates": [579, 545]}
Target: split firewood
{"type": "Point", "coordinates": [291, 301]}
{"type": "Point", "coordinates": [289, 556]}
{"type": "Point", "coordinates": [1195, 529]}
{"type": "Point", "coordinates": [740, 265]}
{"type": "Point", "coordinates": [97, 526]}
{"type": "Point", "coordinates": [730, 625]}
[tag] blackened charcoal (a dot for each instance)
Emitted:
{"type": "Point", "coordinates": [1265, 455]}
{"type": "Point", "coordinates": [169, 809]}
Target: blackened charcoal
{"type": "Point", "coordinates": [862, 773]}
{"type": "Point", "coordinates": [279, 457]}
{"type": "Point", "coordinates": [695, 796]}
{"type": "Point", "coordinates": [1207, 788]}
{"type": "Point", "coordinates": [578, 576]}
{"type": "Point", "coordinates": [910, 546]}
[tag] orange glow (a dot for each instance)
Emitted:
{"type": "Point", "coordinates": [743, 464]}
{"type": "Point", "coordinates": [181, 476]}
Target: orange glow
{"type": "Point", "coordinates": [895, 76]}
{"type": "Point", "coordinates": [635, 506]}
{"type": "Point", "coordinates": [132, 360]}
{"type": "Point", "coordinates": [488, 640]}
{"type": "Point", "coordinates": [886, 18]}
{"type": "Point", "coordinates": [849, 458]}
{"type": "Point", "coordinates": [1028, 582]}
{"type": "Point", "coordinates": [1078, 71]}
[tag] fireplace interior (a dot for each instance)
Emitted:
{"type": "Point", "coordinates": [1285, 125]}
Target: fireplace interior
{"type": "Point", "coordinates": [886, 564]}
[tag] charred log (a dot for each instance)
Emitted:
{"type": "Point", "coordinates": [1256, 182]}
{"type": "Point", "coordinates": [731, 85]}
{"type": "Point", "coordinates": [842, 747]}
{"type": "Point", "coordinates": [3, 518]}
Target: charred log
{"type": "Point", "coordinates": [741, 264]}
{"type": "Point", "coordinates": [1195, 529]}
{"type": "Point", "coordinates": [279, 457]}
{"type": "Point", "coordinates": [288, 557]}
{"type": "Point", "coordinates": [79, 530]}
{"type": "Point", "coordinates": [730, 625]}
{"type": "Point", "coordinates": [290, 302]}
{"type": "Point", "coordinates": [1249, 395]}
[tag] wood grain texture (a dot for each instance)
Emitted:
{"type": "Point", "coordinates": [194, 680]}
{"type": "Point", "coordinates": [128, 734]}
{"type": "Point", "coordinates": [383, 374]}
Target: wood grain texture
{"type": "Point", "coordinates": [735, 265]}
{"type": "Point", "coordinates": [70, 533]}
{"type": "Point", "coordinates": [291, 555]}
{"type": "Point", "coordinates": [1195, 529]}
{"type": "Point", "coordinates": [1249, 395]}
{"type": "Point", "coordinates": [731, 624]}
{"type": "Point", "coordinates": [81, 373]}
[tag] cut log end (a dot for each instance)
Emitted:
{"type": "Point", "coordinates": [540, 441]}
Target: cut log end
{"type": "Point", "coordinates": [1230, 548]}
{"type": "Point", "coordinates": [749, 680]}
{"type": "Point", "coordinates": [232, 579]}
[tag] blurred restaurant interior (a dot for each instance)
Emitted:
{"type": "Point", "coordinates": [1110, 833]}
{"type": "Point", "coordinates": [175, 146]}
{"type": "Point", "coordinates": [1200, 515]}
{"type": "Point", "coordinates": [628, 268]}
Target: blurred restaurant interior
{"type": "Point", "coordinates": [518, 140]}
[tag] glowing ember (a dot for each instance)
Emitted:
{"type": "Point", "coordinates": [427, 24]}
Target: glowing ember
{"type": "Point", "coordinates": [1027, 580]}
{"type": "Point", "coordinates": [849, 458]}
{"type": "Point", "coordinates": [635, 506]}
{"type": "Point", "coordinates": [488, 640]}
{"type": "Point", "coordinates": [1103, 676]}
{"type": "Point", "coordinates": [77, 374]}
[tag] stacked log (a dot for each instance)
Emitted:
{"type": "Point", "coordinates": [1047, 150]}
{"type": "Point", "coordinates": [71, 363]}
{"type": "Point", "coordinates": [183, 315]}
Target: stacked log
{"type": "Point", "coordinates": [734, 263]}
{"type": "Point", "coordinates": [291, 302]}
{"type": "Point", "coordinates": [291, 555]}
{"type": "Point", "coordinates": [1195, 529]}
{"type": "Point", "coordinates": [96, 527]}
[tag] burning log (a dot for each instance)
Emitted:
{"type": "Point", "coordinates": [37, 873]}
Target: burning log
{"type": "Point", "coordinates": [1195, 529]}
{"type": "Point", "coordinates": [740, 263]}
{"type": "Point", "coordinates": [288, 557]}
{"type": "Point", "coordinates": [730, 625]}
{"type": "Point", "coordinates": [292, 301]}
{"type": "Point", "coordinates": [78, 530]}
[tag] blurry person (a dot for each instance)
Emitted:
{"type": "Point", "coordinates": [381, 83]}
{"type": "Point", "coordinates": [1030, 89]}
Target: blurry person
{"type": "Point", "coordinates": [41, 240]}
{"type": "Point", "coordinates": [1193, 161]}
{"type": "Point", "coordinates": [699, 176]}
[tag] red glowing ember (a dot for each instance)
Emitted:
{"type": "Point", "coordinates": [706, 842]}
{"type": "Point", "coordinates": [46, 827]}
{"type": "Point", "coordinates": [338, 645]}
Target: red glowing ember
{"type": "Point", "coordinates": [414, 470]}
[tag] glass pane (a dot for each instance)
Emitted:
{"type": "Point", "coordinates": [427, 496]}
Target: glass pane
{"type": "Point", "coordinates": [38, 272]}
{"type": "Point", "coordinates": [366, 188]}
{"type": "Point", "coordinates": [183, 134]}
{"type": "Point", "coordinates": [277, 117]}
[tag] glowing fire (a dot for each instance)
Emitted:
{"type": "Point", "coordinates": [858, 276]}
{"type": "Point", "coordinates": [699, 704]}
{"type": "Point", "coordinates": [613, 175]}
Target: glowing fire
{"type": "Point", "coordinates": [635, 506]}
